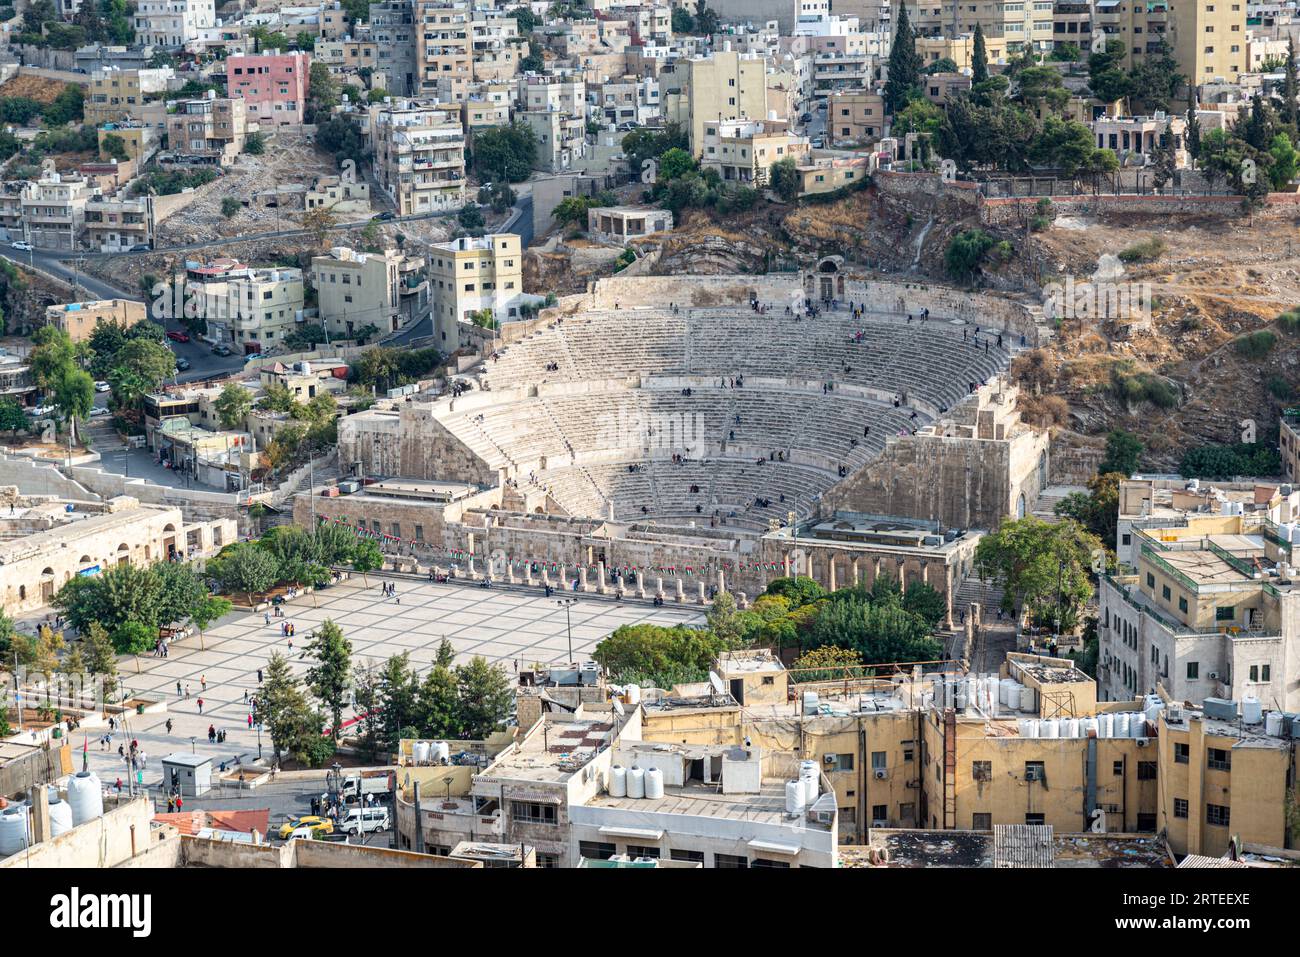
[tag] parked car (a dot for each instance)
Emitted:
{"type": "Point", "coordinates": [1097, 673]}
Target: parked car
{"type": "Point", "coordinates": [39, 410]}
{"type": "Point", "coordinates": [139, 248]}
{"type": "Point", "coordinates": [182, 364]}
{"type": "Point", "coordinates": [99, 411]}
{"type": "Point", "coordinates": [818, 143]}
{"type": "Point", "coordinates": [221, 350]}
{"type": "Point", "coordinates": [364, 820]}
{"type": "Point", "coordinates": [386, 215]}
{"type": "Point", "coordinates": [178, 335]}
{"type": "Point", "coordinates": [102, 387]}
{"type": "Point", "coordinates": [310, 823]}
{"type": "Point", "coordinates": [25, 247]}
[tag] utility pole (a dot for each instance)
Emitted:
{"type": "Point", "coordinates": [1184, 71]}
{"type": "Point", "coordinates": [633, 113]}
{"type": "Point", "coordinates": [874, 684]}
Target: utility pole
{"type": "Point", "coordinates": [568, 621]}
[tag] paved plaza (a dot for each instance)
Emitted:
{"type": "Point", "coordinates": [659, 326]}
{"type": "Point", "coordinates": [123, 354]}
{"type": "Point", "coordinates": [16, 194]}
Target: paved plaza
{"type": "Point", "coordinates": [502, 624]}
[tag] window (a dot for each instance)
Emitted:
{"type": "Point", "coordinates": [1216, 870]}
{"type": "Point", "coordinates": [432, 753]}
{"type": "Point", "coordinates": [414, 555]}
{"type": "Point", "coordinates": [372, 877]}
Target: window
{"type": "Point", "coordinates": [981, 770]}
{"type": "Point", "coordinates": [1146, 822]}
{"type": "Point", "coordinates": [981, 822]}
{"type": "Point", "coordinates": [839, 762]}
{"type": "Point", "coordinates": [879, 812]}
{"type": "Point", "coordinates": [730, 860]}
{"type": "Point", "coordinates": [1182, 603]}
{"type": "Point", "coordinates": [1217, 759]}
{"type": "Point", "coordinates": [642, 850]}
{"type": "Point", "coordinates": [596, 850]}
{"type": "Point", "coordinates": [1164, 592]}
{"type": "Point", "coordinates": [1217, 815]}
{"type": "Point", "coordinates": [1193, 670]}
{"type": "Point", "coordinates": [531, 812]}
{"type": "Point", "coordinates": [694, 856]}
{"type": "Point", "coordinates": [1224, 614]}
{"type": "Point", "coordinates": [878, 760]}
{"type": "Point", "coordinates": [1151, 580]}
{"type": "Point", "coordinates": [548, 860]}
{"type": "Point", "coordinates": [1035, 819]}
{"type": "Point", "coordinates": [1181, 755]}
{"type": "Point", "coordinates": [909, 751]}
{"type": "Point", "coordinates": [1034, 771]}
{"type": "Point", "coordinates": [1146, 770]}
{"type": "Point", "coordinates": [767, 862]}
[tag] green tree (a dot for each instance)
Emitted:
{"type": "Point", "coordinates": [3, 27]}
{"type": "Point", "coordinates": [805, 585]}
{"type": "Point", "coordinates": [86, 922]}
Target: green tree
{"type": "Point", "coordinates": [134, 638]}
{"type": "Point", "coordinates": [797, 590]}
{"type": "Point", "coordinates": [207, 610]}
{"type": "Point", "coordinates": [230, 205]}
{"type": "Point", "coordinates": [534, 62]}
{"type": "Point", "coordinates": [331, 676]}
{"type": "Point", "coordinates": [965, 253]}
{"type": "Point", "coordinates": [1097, 510]}
{"type": "Point", "coordinates": [979, 58]}
{"type": "Point", "coordinates": [1123, 449]}
{"type": "Point", "coordinates": [283, 707]}
{"type": "Point", "coordinates": [827, 663]}
{"type": "Point", "coordinates": [1285, 160]}
{"type": "Point", "coordinates": [723, 620]}
{"type": "Point", "coordinates": [682, 21]}
{"type": "Point", "coordinates": [74, 394]}
{"type": "Point", "coordinates": [100, 656]}
{"type": "Point", "coordinates": [1290, 113]}
{"type": "Point", "coordinates": [505, 152]}
{"type": "Point", "coordinates": [662, 656]}
{"type": "Point", "coordinates": [1155, 80]}
{"type": "Point", "coordinates": [68, 107]}
{"type": "Point", "coordinates": [904, 80]}
{"type": "Point", "coordinates": [244, 567]}
{"type": "Point", "coordinates": [437, 704]}
{"type": "Point", "coordinates": [675, 163]}
{"type": "Point", "coordinates": [398, 695]}
{"type": "Point", "coordinates": [140, 368]}
{"type": "Point", "coordinates": [1106, 77]}
{"type": "Point", "coordinates": [1035, 561]}
{"type": "Point", "coordinates": [484, 698]}
{"type": "Point", "coordinates": [12, 416]}
{"type": "Point", "coordinates": [114, 147]}
{"type": "Point", "coordinates": [366, 557]}
{"type": "Point", "coordinates": [233, 405]}
{"type": "Point", "coordinates": [707, 21]}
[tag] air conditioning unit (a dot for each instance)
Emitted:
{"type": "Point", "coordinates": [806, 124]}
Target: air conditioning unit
{"type": "Point", "coordinates": [1034, 774]}
{"type": "Point", "coordinates": [880, 824]}
{"type": "Point", "coordinates": [1214, 676]}
{"type": "Point", "coordinates": [828, 759]}
{"type": "Point", "coordinates": [881, 774]}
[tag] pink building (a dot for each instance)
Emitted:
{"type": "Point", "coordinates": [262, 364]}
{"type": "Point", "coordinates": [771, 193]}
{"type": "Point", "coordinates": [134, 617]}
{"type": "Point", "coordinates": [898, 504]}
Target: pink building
{"type": "Point", "coordinates": [272, 84]}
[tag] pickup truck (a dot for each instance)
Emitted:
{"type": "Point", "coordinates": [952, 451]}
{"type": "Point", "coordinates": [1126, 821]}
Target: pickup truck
{"type": "Point", "coordinates": [368, 782]}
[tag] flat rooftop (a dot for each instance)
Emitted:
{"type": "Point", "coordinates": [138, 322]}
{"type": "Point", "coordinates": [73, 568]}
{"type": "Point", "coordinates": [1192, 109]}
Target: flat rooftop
{"type": "Point", "coordinates": [1244, 735]}
{"type": "Point", "coordinates": [416, 488]}
{"type": "Point", "coordinates": [975, 849]}
{"type": "Point", "coordinates": [556, 750]}
{"type": "Point", "coordinates": [698, 799]}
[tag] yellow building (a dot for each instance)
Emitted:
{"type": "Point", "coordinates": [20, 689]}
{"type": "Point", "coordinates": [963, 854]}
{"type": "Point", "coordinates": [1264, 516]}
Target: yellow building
{"type": "Point", "coordinates": [116, 95]}
{"type": "Point", "coordinates": [959, 49]}
{"type": "Point", "coordinates": [470, 274]}
{"type": "Point", "coordinates": [855, 116]}
{"type": "Point", "coordinates": [743, 151]}
{"type": "Point", "coordinates": [724, 86]}
{"type": "Point", "coordinates": [79, 319]}
{"type": "Point", "coordinates": [1289, 444]}
{"type": "Point", "coordinates": [1221, 778]}
{"type": "Point", "coordinates": [1207, 39]}
{"type": "Point", "coordinates": [1009, 27]}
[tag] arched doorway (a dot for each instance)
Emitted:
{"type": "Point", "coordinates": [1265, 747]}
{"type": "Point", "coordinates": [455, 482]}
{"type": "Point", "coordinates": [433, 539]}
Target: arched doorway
{"type": "Point", "coordinates": [47, 584]}
{"type": "Point", "coordinates": [1020, 506]}
{"type": "Point", "coordinates": [169, 539]}
{"type": "Point", "coordinates": [123, 553]}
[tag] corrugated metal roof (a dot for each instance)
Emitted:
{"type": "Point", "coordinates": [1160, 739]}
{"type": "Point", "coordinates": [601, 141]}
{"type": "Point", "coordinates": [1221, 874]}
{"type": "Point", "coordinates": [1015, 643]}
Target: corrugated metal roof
{"type": "Point", "coordinates": [1200, 860]}
{"type": "Point", "coordinates": [1023, 845]}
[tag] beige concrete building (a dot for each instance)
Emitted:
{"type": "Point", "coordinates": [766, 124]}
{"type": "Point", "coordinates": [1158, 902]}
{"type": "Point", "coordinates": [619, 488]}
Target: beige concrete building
{"type": "Point", "coordinates": [724, 86]}
{"type": "Point", "coordinates": [743, 151]}
{"type": "Point", "coordinates": [119, 223]}
{"type": "Point", "coordinates": [245, 308]}
{"type": "Point", "coordinates": [46, 544]}
{"type": "Point", "coordinates": [140, 139]}
{"type": "Point", "coordinates": [620, 224]}
{"type": "Point", "coordinates": [209, 129]}
{"type": "Point", "coordinates": [854, 117]}
{"type": "Point", "coordinates": [172, 23]}
{"type": "Point", "coordinates": [1020, 25]}
{"type": "Point", "coordinates": [1207, 39]}
{"type": "Point", "coordinates": [54, 209]}
{"type": "Point", "coordinates": [1289, 444]}
{"type": "Point", "coordinates": [115, 95]}
{"type": "Point", "coordinates": [419, 154]}
{"type": "Point", "coordinates": [471, 274]}
{"type": "Point", "coordinates": [79, 319]}
{"type": "Point", "coordinates": [343, 195]}
{"type": "Point", "coordinates": [356, 289]}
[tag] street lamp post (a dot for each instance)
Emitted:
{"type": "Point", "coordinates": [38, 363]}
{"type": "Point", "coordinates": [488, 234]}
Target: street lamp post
{"type": "Point", "coordinates": [568, 621]}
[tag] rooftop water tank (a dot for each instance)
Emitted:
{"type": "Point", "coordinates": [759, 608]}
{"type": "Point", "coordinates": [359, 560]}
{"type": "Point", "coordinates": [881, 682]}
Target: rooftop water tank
{"type": "Point", "coordinates": [1026, 698]}
{"type": "Point", "coordinates": [636, 783]}
{"type": "Point", "coordinates": [1070, 727]}
{"type": "Point", "coordinates": [633, 694]}
{"type": "Point", "coordinates": [1252, 712]}
{"type": "Point", "coordinates": [86, 796]}
{"type": "Point", "coordinates": [1049, 728]}
{"type": "Point", "coordinates": [420, 752]}
{"type": "Point", "coordinates": [618, 781]}
{"type": "Point", "coordinates": [1106, 726]}
{"type": "Point", "coordinates": [60, 814]}
{"type": "Point", "coordinates": [440, 752]}
{"type": "Point", "coordinates": [13, 829]}
{"type": "Point", "coordinates": [1137, 725]}
{"type": "Point", "coordinates": [1121, 725]}
{"type": "Point", "coordinates": [1273, 723]}
{"type": "Point", "coordinates": [794, 802]}
{"type": "Point", "coordinates": [654, 784]}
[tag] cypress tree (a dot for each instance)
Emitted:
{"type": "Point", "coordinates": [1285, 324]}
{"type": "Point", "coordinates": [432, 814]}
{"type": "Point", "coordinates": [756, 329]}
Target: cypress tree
{"type": "Point", "coordinates": [979, 58]}
{"type": "Point", "coordinates": [904, 66]}
{"type": "Point", "coordinates": [1289, 86]}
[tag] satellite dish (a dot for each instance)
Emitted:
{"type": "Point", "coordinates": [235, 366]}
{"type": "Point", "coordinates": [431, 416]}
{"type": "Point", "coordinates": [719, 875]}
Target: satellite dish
{"type": "Point", "coordinates": [618, 708]}
{"type": "Point", "coordinates": [718, 686]}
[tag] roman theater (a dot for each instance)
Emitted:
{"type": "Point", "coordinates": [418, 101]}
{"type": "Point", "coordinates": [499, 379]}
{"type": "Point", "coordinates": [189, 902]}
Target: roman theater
{"type": "Point", "coordinates": [673, 435]}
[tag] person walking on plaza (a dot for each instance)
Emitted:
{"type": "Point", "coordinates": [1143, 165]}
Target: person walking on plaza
{"type": "Point", "coordinates": [200, 706]}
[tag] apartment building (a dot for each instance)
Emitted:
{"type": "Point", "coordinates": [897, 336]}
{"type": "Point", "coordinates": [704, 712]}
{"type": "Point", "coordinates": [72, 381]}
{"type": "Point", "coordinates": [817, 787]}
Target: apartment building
{"type": "Point", "coordinates": [1072, 24]}
{"type": "Point", "coordinates": [495, 46]}
{"type": "Point", "coordinates": [724, 86]}
{"type": "Point", "coordinates": [248, 309]}
{"type": "Point", "coordinates": [209, 129]}
{"type": "Point", "coordinates": [959, 49]}
{"type": "Point", "coordinates": [561, 138]}
{"type": "Point", "coordinates": [272, 84]}
{"type": "Point", "coordinates": [343, 195]}
{"type": "Point", "coordinates": [471, 274]}
{"type": "Point", "coordinates": [488, 105]}
{"type": "Point", "coordinates": [172, 23]}
{"type": "Point", "coordinates": [419, 154]}
{"type": "Point", "coordinates": [854, 117]}
{"type": "Point", "coordinates": [80, 319]}
{"type": "Point", "coordinates": [626, 99]}
{"type": "Point", "coordinates": [1207, 39]}
{"type": "Point", "coordinates": [1289, 443]}
{"type": "Point", "coordinates": [443, 46]}
{"type": "Point", "coordinates": [120, 223]}
{"type": "Point", "coordinates": [54, 209]}
{"type": "Point", "coordinates": [393, 32]}
{"type": "Point", "coordinates": [115, 95]}
{"type": "Point", "coordinates": [356, 289]}
{"type": "Point", "coordinates": [1208, 609]}
{"type": "Point", "coordinates": [1021, 25]}
{"type": "Point", "coordinates": [743, 151]}
{"type": "Point", "coordinates": [333, 21]}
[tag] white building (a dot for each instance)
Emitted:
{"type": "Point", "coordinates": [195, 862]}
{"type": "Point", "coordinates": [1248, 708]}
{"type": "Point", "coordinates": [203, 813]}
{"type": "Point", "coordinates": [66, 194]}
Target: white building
{"type": "Point", "coordinates": [172, 23]}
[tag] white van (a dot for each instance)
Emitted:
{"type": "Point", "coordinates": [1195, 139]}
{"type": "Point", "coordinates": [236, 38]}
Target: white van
{"type": "Point", "coordinates": [363, 820]}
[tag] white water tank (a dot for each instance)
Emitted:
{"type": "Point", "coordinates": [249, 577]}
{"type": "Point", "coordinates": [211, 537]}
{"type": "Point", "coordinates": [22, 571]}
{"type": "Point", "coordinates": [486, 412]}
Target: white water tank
{"type": "Point", "coordinates": [1273, 723]}
{"type": "Point", "coordinates": [794, 802]}
{"type": "Point", "coordinates": [60, 814]}
{"type": "Point", "coordinates": [1106, 726]}
{"type": "Point", "coordinates": [808, 774]}
{"type": "Point", "coordinates": [1137, 725]}
{"type": "Point", "coordinates": [13, 829]}
{"type": "Point", "coordinates": [1089, 727]}
{"type": "Point", "coordinates": [1026, 698]}
{"type": "Point", "coordinates": [618, 781]}
{"type": "Point", "coordinates": [440, 752]}
{"type": "Point", "coordinates": [1027, 727]}
{"type": "Point", "coordinates": [963, 699]}
{"type": "Point", "coordinates": [949, 691]}
{"type": "Point", "coordinates": [1252, 712]}
{"type": "Point", "coordinates": [1069, 727]}
{"type": "Point", "coordinates": [1010, 694]}
{"type": "Point", "coordinates": [1152, 711]}
{"type": "Point", "coordinates": [654, 784]}
{"type": "Point", "coordinates": [420, 752]}
{"type": "Point", "coordinates": [86, 796]}
{"type": "Point", "coordinates": [1121, 725]}
{"type": "Point", "coordinates": [1049, 728]}
{"type": "Point", "coordinates": [633, 694]}
{"type": "Point", "coordinates": [636, 783]}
